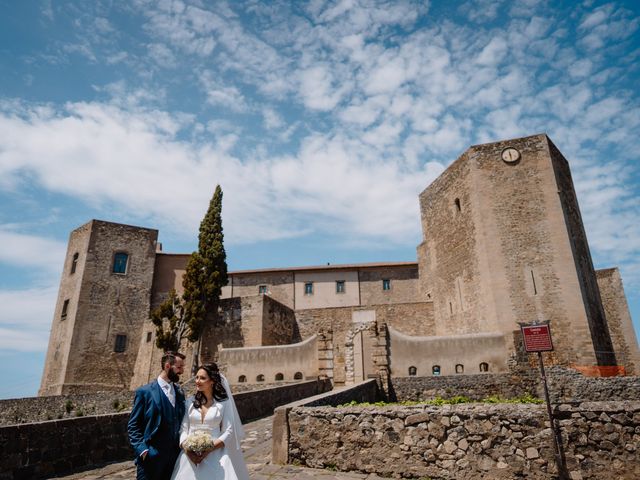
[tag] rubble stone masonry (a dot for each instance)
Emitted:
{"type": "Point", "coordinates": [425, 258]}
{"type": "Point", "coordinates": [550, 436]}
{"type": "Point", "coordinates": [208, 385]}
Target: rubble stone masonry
{"type": "Point", "coordinates": [469, 441]}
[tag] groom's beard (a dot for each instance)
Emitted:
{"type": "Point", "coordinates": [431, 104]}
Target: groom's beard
{"type": "Point", "coordinates": [173, 376]}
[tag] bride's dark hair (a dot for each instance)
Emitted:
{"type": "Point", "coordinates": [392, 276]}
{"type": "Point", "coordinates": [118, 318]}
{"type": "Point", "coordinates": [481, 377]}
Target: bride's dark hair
{"type": "Point", "coordinates": [219, 393]}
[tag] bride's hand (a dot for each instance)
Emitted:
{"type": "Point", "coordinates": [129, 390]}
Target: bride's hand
{"type": "Point", "coordinates": [194, 457]}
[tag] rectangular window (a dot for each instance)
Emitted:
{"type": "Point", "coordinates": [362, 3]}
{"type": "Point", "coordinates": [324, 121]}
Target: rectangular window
{"type": "Point", "coordinates": [308, 288]}
{"type": "Point", "coordinates": [149, 335]}
{"type": "Point", "coordinates": [386, 284]}
{"type": "Point", "coordinates": [121, 344]}
{"type": "Point", "coordinates": [120, 260]}
{"type": "Point", "coordinates": [262, 289]}
{"type": "Point", "coordinates": [74, 262]}
{"type": "Point", "coordinates": [340, 287]}
{"type": "Point", "coordinates": [65, 307]}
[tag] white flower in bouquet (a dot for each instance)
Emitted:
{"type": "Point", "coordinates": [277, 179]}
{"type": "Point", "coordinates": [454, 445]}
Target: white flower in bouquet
{"type": "Point", "coordinates": [199, 442]}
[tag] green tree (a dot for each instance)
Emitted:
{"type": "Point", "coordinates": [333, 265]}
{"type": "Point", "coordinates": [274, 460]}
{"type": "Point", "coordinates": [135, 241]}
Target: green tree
{"type": "Point", "coordinates": [169, 321]}
{"type": "Point", "coordinates": [206, 272]}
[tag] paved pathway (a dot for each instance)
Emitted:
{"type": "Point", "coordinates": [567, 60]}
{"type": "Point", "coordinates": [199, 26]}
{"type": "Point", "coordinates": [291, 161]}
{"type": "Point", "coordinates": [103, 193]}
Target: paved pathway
{"type": "Point", "coordinates": [257, 451]}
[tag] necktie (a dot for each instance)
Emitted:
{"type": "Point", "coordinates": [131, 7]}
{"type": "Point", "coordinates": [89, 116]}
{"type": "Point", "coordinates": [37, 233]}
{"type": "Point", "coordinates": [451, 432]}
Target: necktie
{"type": "Point", "coordinates": [170, 395]}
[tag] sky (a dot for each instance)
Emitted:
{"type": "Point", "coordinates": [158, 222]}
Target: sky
{"type": "Point", "coordinates": [321, 120]}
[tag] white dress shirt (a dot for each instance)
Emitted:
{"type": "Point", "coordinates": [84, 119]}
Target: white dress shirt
{"type": "Point", "coordinates": [168, 389]}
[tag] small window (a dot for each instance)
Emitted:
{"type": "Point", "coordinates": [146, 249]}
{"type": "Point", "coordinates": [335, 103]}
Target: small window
{"type": "Point", "coordinates": [413, 371]}
{"type": "Point", "coordinates": [120, 260]}
{"type": "Point", "coordinates": [340, 286]}
{"type": "Point", "coordinates": [297, 376]}
{"type": "Point", "coordinates": [308, 288]}
{"type": "Point", "coordinates": [149, 335]}
{"type": "Point", "coordinates": [242, 379]}
{"type": "Point", "coordinates": [386, 284]}
{"type": "Point", "coordinates": [279, 377]}
{"type": "Point", "coordinates": [65, 307]}
{"type": "Point", "coordinates": [121, 344]}
{"type": "Point", "coordinates": [74, 262]}
{"type": "Point", "coordinates": [484, 367]}
{"type": "Point", "coordinates": [260, 378]}
{"type": "Point", "coordinates": [458, 206]}
{"type": "Point", "coordinates": [435, 370]}
{"type": "Point", "coordinates": [262, 289]}
{"type": "Point", "coordinates": [459, 368]}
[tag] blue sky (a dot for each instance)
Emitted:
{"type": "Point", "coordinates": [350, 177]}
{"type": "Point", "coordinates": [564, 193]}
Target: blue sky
{"type": "Point", "coordinates": [321, 120]}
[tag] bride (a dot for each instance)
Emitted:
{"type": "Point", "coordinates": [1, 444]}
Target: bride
{"type": "Point", "coordinates": [211, 410]}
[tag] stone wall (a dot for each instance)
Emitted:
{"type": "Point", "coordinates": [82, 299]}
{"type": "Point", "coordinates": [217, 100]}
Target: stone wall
{"type": "Point", "coordinates": [56, 407]}
{"type": "Point", "coordinates": [466, 353]}
{"type": "Point", "coordinates": [47, 449]}
{"type": "Point", "coordinates": [403, 283]}
{"type": "Point", "coordinates": [471, 441]}
{"type": "Point", "coordinates": [263, 364]}
{"type": "Point", "coordinates": [590, 293]}
{"type": "Point", "coordinates": [279, 326]}
{"type": "Point", "coordinates": [408, 318]}
{"type": "Point", "coordinates": [623, 335]}
{"type": "Point", "coordinates": [565, 385]}
{"type": "Point", "coordinates": [367, 391]}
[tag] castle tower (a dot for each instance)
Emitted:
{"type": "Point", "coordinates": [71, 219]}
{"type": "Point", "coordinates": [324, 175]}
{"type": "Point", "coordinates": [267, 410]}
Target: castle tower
{"type": "Point", "coordinates": [102, 304]}
{"type": "Point", "coordinates": [504, 243]}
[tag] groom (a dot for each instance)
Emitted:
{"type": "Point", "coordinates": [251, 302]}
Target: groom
{"type": "Point", "coordinates": [154, 424]}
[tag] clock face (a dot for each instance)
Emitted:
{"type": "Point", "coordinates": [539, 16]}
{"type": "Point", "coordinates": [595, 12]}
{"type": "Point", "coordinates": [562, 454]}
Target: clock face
{"type": "Point", "coordinates": [510, 155]}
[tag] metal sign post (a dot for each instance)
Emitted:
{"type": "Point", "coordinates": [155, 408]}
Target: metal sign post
{"type": "Point", "coordinates": [537, 339]}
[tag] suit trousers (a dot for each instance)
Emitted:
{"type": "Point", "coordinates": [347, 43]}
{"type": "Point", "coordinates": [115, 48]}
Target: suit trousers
{"type": "Point", "coordinates": [158, 467]}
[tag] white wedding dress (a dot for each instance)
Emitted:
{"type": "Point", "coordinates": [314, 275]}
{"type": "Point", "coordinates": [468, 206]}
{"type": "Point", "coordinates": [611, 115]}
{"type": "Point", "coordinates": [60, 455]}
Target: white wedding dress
{"type": "Point", "coordinates": [226, 463]}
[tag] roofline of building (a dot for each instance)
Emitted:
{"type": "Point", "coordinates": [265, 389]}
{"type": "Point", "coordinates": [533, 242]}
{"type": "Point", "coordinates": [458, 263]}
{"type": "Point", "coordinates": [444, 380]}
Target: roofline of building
{"type": "Point", "coordinates": [344, 266]}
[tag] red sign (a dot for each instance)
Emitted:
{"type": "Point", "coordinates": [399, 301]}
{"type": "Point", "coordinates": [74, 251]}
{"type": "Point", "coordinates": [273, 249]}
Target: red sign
{"type": "Point", "coordinates": [537, 338]}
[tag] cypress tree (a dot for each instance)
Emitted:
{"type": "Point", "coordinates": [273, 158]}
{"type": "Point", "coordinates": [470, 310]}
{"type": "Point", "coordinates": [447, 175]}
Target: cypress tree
{"type": "Point", "coordinates": [178, 318]}
{"type": "Point", "coordinates": [206, 272]}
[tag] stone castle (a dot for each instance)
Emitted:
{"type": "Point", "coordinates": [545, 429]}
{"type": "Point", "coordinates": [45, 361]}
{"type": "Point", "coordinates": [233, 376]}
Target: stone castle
{"type": "Point", "coordinates": [503, 243]}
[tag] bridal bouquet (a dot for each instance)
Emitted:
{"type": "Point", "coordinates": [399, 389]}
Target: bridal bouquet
{"type": "Point", "coordinates": [198, 442]}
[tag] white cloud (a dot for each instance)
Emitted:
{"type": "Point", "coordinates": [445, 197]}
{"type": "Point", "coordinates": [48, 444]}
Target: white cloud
{"type": "Point", "coordinates": [26, 318]}
{"type": "Point", "coordinates": [23, 250]}
{"type": "Point", "coordinates": [493, 52]}
{"type": "Point", "coordinates": [319, 89]}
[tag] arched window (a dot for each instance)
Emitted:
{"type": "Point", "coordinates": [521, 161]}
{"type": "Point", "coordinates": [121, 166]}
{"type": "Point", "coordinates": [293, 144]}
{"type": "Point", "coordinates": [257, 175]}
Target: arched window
{"type": "Point", "coordinates": [242, 379]}
{"type": "Point", "coordinates": [435, 370]}
{"type": "Point", "coordinates": [74, 262]}
{"type": "Point", "coordinates": [120, 260]}
{"type": "Point", "coordinates": [413, 371]}
{"type": "Point", "coordinates": [458, 206]}
{"type": "Point", "coordinates": [297, 376]}
{"type": "Point", "coordinates": [279, 377]}
{"type": "Point", "coordinates": [484, 367]}
{"type": "Point", "coordinates": [260, 378]}
{"type": "Point", "coordinates": [459, 368]}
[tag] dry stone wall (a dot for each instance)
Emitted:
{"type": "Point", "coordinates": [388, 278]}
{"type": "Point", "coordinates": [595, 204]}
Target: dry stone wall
{"type": "Point", "coordinates": [36, 409]}
{"type": "Point", "coordinates": [565, 385]}
{"type": "Point", "coordinates": [471, 441]}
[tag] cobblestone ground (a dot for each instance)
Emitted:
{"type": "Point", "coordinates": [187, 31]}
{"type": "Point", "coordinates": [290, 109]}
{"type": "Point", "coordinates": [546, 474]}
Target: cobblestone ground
{"type": "Point", "coordinates": [257, 451]}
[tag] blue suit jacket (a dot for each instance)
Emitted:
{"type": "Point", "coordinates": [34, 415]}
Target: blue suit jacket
{"type": "Point", "coordinates": [146, 417]}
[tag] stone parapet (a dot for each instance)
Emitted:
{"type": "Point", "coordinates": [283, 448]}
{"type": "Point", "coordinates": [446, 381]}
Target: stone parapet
{"type": "Point", "coordinates": [57, 407]}
{"type": "Point", "coordinates": [565, 385]}
{"type": "Point", "coordinates": [470, 441]}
